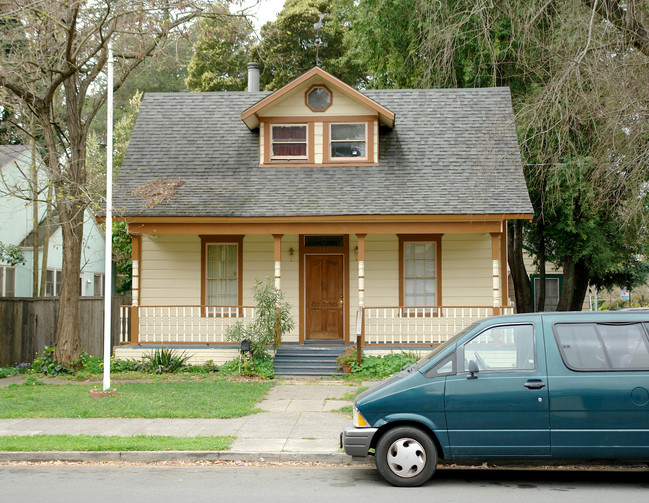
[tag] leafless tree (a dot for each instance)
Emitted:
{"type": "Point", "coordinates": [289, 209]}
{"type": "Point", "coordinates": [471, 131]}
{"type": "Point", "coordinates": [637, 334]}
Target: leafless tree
{"type": "Point", "coordinates": [52, 59]}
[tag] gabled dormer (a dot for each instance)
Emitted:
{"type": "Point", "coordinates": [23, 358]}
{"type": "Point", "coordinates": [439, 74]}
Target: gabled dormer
{"type": "Point", "coordinates": [318, 120]}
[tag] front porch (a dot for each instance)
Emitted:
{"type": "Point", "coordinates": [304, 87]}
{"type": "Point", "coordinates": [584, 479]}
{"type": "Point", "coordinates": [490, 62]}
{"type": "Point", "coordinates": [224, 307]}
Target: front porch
{"type": "Point", "coordinates": [202, 329]}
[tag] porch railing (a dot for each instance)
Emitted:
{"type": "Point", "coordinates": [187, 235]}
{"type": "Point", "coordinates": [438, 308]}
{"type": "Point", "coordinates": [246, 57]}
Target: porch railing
{"type": "Point", "coordinates": [180, 324]}
{"type": "Point", "coordinates": [421, 325]}
{"type": "Point", "coordinates": [380, 325]}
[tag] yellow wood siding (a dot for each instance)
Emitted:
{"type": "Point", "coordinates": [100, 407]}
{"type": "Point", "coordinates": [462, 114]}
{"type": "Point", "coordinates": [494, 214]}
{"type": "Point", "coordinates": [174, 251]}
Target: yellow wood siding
{"type": "Point", "coordinates": [467, 270]}
{"type": "Point", "coordinates": [381, 270]}
{"type": "Point", "coordinates": [170, 270]}
{"type": "Point", "coordinates": [295, 105]}
{"type": "Point", "coordinates": [199, 356]}
{"type": "Point", "coordinates": [318, 140]}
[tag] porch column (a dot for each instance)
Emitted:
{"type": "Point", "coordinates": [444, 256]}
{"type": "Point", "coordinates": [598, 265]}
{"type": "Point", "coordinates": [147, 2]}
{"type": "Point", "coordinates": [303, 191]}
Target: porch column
{"type": "Point", "coordinates": [361, 269]}
{"type": "Point", "coordinates": [504, 286]}
{"type": "Point", "coordinates": [278, 259]}
{"type": "Point", "coordinates": [136, 252]}
{"type": "Point", "coordinates": [495, 257]}
{"type": "Point", "coordinates": [361, 294]}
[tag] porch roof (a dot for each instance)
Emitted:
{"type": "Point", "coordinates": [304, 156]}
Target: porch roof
{"type": "Point", "coordinates": [451, 152]}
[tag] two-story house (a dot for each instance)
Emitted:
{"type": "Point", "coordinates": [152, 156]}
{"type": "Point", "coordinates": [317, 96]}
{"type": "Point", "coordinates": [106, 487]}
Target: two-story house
{"type": "Point", "coordinates": [17, 229]}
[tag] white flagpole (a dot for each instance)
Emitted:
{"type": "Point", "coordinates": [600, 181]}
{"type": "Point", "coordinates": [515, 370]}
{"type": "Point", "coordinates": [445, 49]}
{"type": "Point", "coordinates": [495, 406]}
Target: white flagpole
{"type": "Point", "coordinates": [108, 259]}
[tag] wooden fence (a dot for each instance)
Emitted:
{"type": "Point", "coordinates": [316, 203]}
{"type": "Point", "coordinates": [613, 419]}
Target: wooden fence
{"type": "Point", "coordinates": [27, 325]}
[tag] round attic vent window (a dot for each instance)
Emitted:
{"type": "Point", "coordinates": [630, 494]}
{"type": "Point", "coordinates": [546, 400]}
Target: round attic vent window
{"type": "Point", "coordinates": [318, 98]}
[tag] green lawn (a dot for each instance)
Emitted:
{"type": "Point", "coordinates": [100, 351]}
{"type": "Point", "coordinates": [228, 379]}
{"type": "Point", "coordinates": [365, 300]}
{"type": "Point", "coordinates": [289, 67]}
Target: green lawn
{"type": "Point", "coordinates": [218, 398]}
{"type": "Point", "coordinates": [39, 443]}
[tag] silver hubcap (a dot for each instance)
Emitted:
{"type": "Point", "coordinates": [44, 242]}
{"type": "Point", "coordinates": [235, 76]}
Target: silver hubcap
{"type": "Point", "coordinates": [406, 457]}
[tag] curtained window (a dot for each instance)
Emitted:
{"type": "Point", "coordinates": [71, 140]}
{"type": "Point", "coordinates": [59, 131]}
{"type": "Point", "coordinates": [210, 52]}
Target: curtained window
{"type": "Point", "coordinates": [289, 141]}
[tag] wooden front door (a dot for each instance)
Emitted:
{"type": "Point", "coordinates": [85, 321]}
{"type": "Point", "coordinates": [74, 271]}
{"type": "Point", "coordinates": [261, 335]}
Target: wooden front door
{"type": "Point", "coordinates": [324, 297]}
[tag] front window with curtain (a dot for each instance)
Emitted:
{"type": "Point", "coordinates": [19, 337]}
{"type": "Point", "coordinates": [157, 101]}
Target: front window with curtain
{"type": "Point", "coordinates": [289, 141]}
{"type": "Point", "coordinates": [420, 274]}
{"type": "Point", "coordinates": [221, 274]}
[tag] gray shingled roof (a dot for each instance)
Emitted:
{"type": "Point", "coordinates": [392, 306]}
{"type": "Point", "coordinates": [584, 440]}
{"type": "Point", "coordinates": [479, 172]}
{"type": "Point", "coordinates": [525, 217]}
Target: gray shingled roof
{"type": "Point", "coordinates": [11, 153]}
{"type": "Point", "coordinates": [452, 151]}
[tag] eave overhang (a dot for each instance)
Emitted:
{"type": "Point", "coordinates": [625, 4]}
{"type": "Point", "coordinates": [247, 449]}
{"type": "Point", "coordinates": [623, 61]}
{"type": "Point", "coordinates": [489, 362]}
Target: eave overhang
{"type": "Point", "coordinates": [344, 224]}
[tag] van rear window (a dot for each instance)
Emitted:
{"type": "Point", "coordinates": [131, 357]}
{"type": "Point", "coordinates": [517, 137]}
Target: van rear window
{"type": "Point", "coordinates": [603, 346]}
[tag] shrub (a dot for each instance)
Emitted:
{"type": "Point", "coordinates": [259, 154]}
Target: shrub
{"type": "Point", "coordinates": [258, 366]}
{"type": "Point", "coordinates": [165, 360]}
{"type": "Point", "coordinates": [131, 365]}
{"type": "Point", "coordinates": [46, 364]}
{"type": "Point", "coordinates": [348, 356]}
{"type": "Point", "coordinates": [89, 363]}
{"type": "Point", "coordinates": [380, 367]}
{"type": "Point", "coordinates": [272, 317]}
{"type": "Point", "coordinates": [7, 371]}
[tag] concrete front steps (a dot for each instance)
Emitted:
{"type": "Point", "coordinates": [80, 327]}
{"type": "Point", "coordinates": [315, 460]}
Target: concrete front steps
{"type": "Point", "coordinates": [308, 360]}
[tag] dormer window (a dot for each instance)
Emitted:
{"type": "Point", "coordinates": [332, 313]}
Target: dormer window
{"type": "Point", "coordinates": [318, 98]}
{"type": "Point", "coordinates": [289, 141]}
{"type": "Point", "coordinates": [348, 141]}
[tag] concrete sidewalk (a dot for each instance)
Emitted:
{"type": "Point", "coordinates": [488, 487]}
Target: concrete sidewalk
{"type": "Point", "coordinates": [298, 425]}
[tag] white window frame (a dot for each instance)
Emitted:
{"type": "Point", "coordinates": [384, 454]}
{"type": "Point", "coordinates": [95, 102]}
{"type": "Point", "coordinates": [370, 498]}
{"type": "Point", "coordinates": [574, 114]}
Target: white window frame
{"type": "Point", "coordinates": [4, 269]}
{"type": "Point", "coordinates": [98, 278]}
{"type": "Point", "coordinates": [552, 305]}
{"type": "Point", "coordinates": [56, 282]}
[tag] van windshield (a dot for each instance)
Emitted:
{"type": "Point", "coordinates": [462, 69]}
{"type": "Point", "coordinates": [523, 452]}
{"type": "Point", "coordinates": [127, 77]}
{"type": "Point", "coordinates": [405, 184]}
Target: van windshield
{"type": "Point", "coordinates": [439, 349]}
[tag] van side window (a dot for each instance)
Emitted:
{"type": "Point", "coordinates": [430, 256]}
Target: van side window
{"type": "Point", "coordinates": [445, 367]}
{"type": "Point", "coordinates": [507, 347]}
{"type": "Point", "coordinates": [603, 346]}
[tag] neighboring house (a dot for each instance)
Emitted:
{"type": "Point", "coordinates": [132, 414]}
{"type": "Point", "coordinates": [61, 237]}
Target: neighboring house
{"type": "Point", "coordinates": [389, 203]}
{"type": "Point", "coordinates": [17, 228]}
{"type": "Point", "coordinates": [553, 284]}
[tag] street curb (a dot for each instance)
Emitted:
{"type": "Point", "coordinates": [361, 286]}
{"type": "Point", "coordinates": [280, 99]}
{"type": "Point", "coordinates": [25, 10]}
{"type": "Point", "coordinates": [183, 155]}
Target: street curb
{"type": "Point", "coordinates": [162, 456]}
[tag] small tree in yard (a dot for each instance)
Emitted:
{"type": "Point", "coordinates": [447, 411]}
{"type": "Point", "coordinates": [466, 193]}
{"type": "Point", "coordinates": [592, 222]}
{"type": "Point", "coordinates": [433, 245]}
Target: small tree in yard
{"type": "Point", "coordinates": [272, 320]}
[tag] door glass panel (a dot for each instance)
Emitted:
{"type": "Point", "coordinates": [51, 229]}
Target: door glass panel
{"type": "Point", "coordinates": [324, 240]}
{"type": "Point", "coordinates": [509, 347]}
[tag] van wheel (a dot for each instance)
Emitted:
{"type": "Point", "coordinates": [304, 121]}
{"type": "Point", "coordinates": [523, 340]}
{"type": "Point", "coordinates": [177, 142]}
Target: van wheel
{"type": "Point", "coordinates": [406, 456]}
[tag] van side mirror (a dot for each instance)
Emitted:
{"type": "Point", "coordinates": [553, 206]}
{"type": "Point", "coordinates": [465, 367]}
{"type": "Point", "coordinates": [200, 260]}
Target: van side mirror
{"type": "Point", "coordinates": [473, 369]}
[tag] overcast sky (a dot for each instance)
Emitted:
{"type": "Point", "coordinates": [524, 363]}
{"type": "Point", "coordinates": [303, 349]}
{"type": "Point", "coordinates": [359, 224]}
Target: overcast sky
{"type": "Point", "coordinates": [264, 11]}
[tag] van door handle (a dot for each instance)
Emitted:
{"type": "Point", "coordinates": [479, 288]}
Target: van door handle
{"type": "Point", "coordinates": [534, 384]}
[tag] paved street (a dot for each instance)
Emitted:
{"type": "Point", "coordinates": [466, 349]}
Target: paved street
{"type": "Point", "coordinates": [286, 483]}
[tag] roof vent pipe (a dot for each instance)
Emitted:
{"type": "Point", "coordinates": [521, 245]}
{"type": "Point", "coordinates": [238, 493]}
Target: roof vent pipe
{"type": "Point", "coordinates": [253, 77]}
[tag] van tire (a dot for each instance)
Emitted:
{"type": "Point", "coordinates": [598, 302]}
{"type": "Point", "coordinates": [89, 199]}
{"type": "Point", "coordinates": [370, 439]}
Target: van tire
{"type": "Point", "coordinates": [406, 456]}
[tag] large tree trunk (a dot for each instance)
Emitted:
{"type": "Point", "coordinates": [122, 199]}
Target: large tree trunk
{"type": "Point", "coordinates": [568, 287]}
{"type": "Point", "coordinates": [522, 288]}
{"type": "Point", "coordinates": [541, 261]}
{"type": "Point", "coordinates": [581, 286]}
{"type": "Point", "coordinates": [71, 205]}
{"type": "Point", "coordinates": [67, 347]}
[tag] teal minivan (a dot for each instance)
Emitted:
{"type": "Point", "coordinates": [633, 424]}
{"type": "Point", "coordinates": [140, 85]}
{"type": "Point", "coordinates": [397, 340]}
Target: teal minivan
{"type": "Point", "coordinates": [530, 387]}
